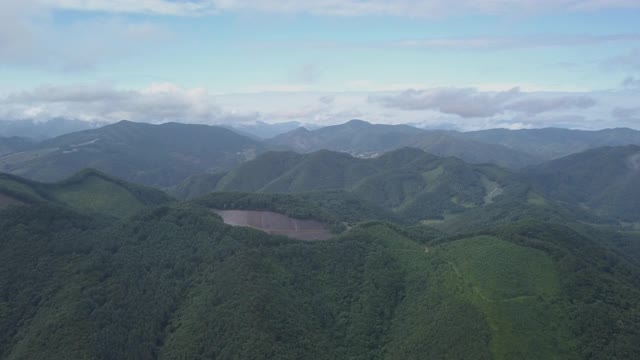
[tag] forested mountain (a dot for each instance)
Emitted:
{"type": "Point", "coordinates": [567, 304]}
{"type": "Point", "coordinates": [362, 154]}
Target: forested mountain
{"type": "Point", "coordinates": [264, 130]}
{"type": "Point", "coordinates": [410, 182]}
{"type": "Point", "coordinates": [88, 191]}
{"type": "Point", "coordinates": [552, 143]}
{"type": "Point", "coordinates": [605, 179]}
{"type": "Point", "coordinates": [165, 155]}
{"type": "Point", "coordinates": [159, 155]}
{"type": "Point", "coordinates": [176, 282]}
{"type": "Point", "coordinates": [426, 257]}
{"type": "Point", "coordinates": [359, 137]}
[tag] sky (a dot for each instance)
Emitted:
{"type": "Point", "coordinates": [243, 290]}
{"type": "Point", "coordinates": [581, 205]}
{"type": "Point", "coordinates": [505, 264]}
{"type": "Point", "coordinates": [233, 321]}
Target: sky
{"type": "Point", "coordinates": [454, 64]}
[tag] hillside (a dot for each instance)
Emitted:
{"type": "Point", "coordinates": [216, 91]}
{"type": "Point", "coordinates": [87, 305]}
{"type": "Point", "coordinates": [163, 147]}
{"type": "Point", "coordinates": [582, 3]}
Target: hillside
{"type": "Point", "coordinates": [176, 282]}
{"type": "Point", "coordinates": [413, 184]}
{"type": "Point", "coordinates": [158, 155]}
{"type": "Point", "coordinates": [38, 130]}
{"type": "Point", "coordinates": [359, 137]}
{"type": "Point", "coordinates": [604, 179]}
{"type": "Point", "coordinates": [553, 143]}
{"type": "Point", "coordinates": [89, 191]}
{"type": "Point", "coordinates": [9, 145]}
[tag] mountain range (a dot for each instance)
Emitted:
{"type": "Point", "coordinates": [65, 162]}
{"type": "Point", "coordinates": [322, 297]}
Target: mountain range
{"type": "Point", "coordinates": [165, 155]}
{"type": "Point", "coordinates": [158, 155]}
{"type": "Point", "coordinates": [95, 267]}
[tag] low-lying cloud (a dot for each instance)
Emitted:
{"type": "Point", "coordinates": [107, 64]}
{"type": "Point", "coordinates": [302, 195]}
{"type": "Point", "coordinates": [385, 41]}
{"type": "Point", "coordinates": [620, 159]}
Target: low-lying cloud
{"type": "Point", "coordinates": [631, 83]}
{"type": "Point", "coordinates": [464, 102]}
{"type": "Point", "coordinates": [156, 103]}
{"type": "Point", "coordinates": [459, 108]}
{"type": "Point", "coordinates": [407, 8]}
{"type": "Point", "coordinates": [626, 114]}
{"type": "Point", "coordinates": [504, 43]}
{"type": "Point", "coordinates": [472, 103]}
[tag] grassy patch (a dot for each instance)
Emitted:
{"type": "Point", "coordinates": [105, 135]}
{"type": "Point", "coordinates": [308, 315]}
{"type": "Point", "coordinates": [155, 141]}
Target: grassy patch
{"type": "Point", "coordinates": [95, 194]}
{"type": "Point", "coordinates": [516, 288]}
{"type": "Point", "coordinates": [535, 199]}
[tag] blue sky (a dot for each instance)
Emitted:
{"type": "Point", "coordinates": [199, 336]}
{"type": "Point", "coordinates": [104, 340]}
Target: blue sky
{"type": "Point", "coordinates": [466, 64]}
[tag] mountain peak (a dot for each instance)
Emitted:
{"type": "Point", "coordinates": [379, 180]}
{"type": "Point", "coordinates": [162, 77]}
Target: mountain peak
{"type": "Point", "coordinates": [357, 122]}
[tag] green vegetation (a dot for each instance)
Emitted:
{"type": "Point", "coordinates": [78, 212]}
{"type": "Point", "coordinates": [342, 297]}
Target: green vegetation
{"type": "Point", "coordinates": [175, 282]}
{"type": "Point", "coordinates": [552, 143]}
{"type": "Point", "coordinates": [157, 155]}
{"type": "Point", "coordinates": [89, 191]}
{"type": "Point", "coordinates": [97, 268]}
{"type": "Point", "coordinates": [362, 138]}
{"type": "Point", "coordinates": [196, 186]}
{"type": "Point", "coordinates": [605, 180]}
{"type": "Point", "coordinates": [413, 184]}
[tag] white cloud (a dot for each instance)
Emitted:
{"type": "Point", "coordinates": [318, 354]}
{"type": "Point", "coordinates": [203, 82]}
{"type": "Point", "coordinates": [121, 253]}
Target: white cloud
{"type": "Point", "coordinates": [452, 108]}
{"type": "Point", "coordinates": [473, 103]}
{"type": "Point", "coordinates": [29, 37]}
{"type": "Point", "coordinates": [464, 102]}
{"type": "Point", "coordinates": [626, 114]}
{"type": "Point", "coordinates": [624, 62]}
{"type": "Point", "coordinates": [407, 8]}
{"type": "Point", "coordinates": [306, 74]}
{"type": "Point", "coordinates": [156, 103]}
{"type": "Point", "coordinates": [502, 43]}
{"type": "Point", "coordinates": [631, 83]}
{"type": "Point", "coordinates": [537, 105]}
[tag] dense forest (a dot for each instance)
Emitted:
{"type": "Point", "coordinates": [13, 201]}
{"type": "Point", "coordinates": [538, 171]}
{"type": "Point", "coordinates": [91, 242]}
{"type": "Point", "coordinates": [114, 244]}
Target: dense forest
{"type": "Point", "coordinates": [94, 267]}
{"type": "Point", "coordinates": [176, 282]}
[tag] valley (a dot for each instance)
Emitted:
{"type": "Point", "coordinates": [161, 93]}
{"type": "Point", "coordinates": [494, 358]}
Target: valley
{"type": "Point", "coordinates": [403, 255]}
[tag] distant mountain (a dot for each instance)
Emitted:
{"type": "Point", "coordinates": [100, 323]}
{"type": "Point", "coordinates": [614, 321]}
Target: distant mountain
{"type": "Point", "coordinates": [88, 191]}
{"type": "Point", "coordinates": [606, 179]}
{"type": "Point", "coordinates": [14, 144]}
{"type": "Point", "coordinates": [45, 129]}
{"type": "Point", "coordinates": [159, 155]}
{"type": "Point", "coordinates": [196, 185]}
{"type": "Point", "coordinates": [264, 130]}
{"type": "Point", "coordinates": [412, 183]}
{"type": "Point", "coordinates": [552, 143]}
{"type": "Point", "coordinates": [361, 138]}
{"type": "Point", "coordinates": [354, 136]}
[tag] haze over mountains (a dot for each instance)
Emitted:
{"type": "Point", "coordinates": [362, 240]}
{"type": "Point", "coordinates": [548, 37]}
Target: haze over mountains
{"type": "Point", "coordinates": [165, 155]}
{"type": "Point", "coordinates": [97, 267]}
{"type": "Point", "coordinates": [321, 180]}
{"type": "Point", "coordinates": [527, 262]}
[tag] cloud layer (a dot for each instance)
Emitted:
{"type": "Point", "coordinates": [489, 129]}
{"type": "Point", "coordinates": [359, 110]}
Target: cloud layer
{"type": "Point", "coordinates": [472, 103]}
{"type": "Point", "coordinates": [457, 108]}
{"type": "Point", "coordinates": [410, 8]}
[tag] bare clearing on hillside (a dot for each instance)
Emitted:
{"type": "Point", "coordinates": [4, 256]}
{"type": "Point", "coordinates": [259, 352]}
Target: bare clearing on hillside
{"type": "Point", "coordinates": [276, 224]}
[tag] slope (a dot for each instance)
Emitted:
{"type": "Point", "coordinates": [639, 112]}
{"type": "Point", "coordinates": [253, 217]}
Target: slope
{"type": "Point", "coordinates": [410, 182]}
{"type": "Point", "coordinates": [159, 155]}
{"type": "Point", "coordinates": [175, 282]}
{"type": "Point", "coordinates": [553, 143]}
{"type": "Point", "coordinates": [10, 145]}
{"type": "Point", "coordinates": [361, 138]}
{"type": "Point", "coordinates": [604, 179]}
{"type": "Point", "coordinates": [88, 191]}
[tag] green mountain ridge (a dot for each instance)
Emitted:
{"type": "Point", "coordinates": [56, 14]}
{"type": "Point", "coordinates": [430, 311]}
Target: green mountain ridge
{"type": "Point", "coordinates": [531, 264]}
{"type": "Point", "coordinates": [604, 179]}
{"type": "Point", "coordinates": [362, 138]}
{"type": "Point", "coordinates": [412, 183]}
{"type": "Point", "coordinates": [89, 191]}
{"type": "Point", "coordinates": [157, 155]}
{"type": "Point", "coordinates": [175, 282]}
{"type": "Point", "coordinates": [554, 143]}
